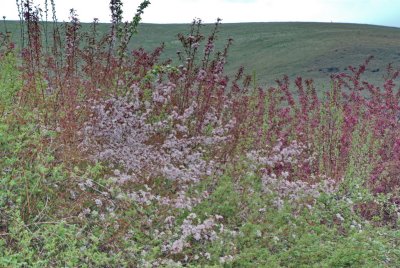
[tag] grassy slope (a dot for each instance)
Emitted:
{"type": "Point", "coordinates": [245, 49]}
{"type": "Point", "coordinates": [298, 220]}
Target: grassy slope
{"type": "Point", "coordinates": [306, 49]}
{"type": "Point", "coordinates": [275, 49]}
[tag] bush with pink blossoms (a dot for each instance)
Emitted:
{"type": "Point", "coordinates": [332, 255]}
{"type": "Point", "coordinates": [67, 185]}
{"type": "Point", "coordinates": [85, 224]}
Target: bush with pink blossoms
{"type": "Point", "coordinates": [111, 158]}
{"type": "Point", "coordinates": [142, 145]}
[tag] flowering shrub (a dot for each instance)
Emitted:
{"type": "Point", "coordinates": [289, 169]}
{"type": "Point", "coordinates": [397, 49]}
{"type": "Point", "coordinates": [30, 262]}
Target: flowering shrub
{"type": "Point", "coordinates": [142, 163]}
{"type": "Point", "coordinates": [145, 145]}
{"type": "Point", "coordinates": [203, 231]}
{"type": "Point", "coordinates": [281, 169]}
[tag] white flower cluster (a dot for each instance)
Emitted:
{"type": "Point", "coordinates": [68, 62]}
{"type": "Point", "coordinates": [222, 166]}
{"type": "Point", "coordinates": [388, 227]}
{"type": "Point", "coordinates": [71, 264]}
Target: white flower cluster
{"type": "Point", "coordinates": [203, 231]}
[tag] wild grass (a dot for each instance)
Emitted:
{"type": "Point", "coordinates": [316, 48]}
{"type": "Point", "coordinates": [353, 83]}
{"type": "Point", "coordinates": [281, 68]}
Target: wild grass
{"type": "Point", "coordinates": [114, 158]}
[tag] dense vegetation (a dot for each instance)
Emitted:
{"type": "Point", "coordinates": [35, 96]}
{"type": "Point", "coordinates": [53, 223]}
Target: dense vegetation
{"type": "Point", "coordinates": [115, 158]}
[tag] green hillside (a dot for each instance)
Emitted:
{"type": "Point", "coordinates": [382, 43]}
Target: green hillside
{"type": "Point", "coordinates": [311, 50]}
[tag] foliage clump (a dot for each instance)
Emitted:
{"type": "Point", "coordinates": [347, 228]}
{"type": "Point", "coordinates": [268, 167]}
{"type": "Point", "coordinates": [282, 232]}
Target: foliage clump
{"type": "Point", "coordinates": [109, 157]}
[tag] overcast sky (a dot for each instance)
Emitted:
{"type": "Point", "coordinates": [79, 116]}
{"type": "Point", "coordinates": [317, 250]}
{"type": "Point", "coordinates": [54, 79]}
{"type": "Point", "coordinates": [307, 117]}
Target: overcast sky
{"type": "Point", "coordinates": [380, 12]}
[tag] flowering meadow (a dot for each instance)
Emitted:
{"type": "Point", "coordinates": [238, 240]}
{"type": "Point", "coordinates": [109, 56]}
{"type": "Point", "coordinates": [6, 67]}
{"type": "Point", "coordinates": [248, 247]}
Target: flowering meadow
{"type": "Point", "coordinates": [114, 158]}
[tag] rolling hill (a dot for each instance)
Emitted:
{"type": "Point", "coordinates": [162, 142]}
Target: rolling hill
{"type": "Point", "coordinates": [270, 50]}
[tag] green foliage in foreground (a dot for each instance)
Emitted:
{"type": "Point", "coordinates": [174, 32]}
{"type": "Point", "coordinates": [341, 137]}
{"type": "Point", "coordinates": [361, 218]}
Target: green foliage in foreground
{"type": "Point", "coordinates": [41, 224]}
{"type": "Point", "coordinates": [10, 81]}
{"type": "Point", "coordinates": [260, 236]}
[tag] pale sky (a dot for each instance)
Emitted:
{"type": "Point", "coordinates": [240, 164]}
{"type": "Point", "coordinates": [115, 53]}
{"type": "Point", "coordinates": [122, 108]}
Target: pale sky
{"type": "Point", "coordinates": [379, 12]}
